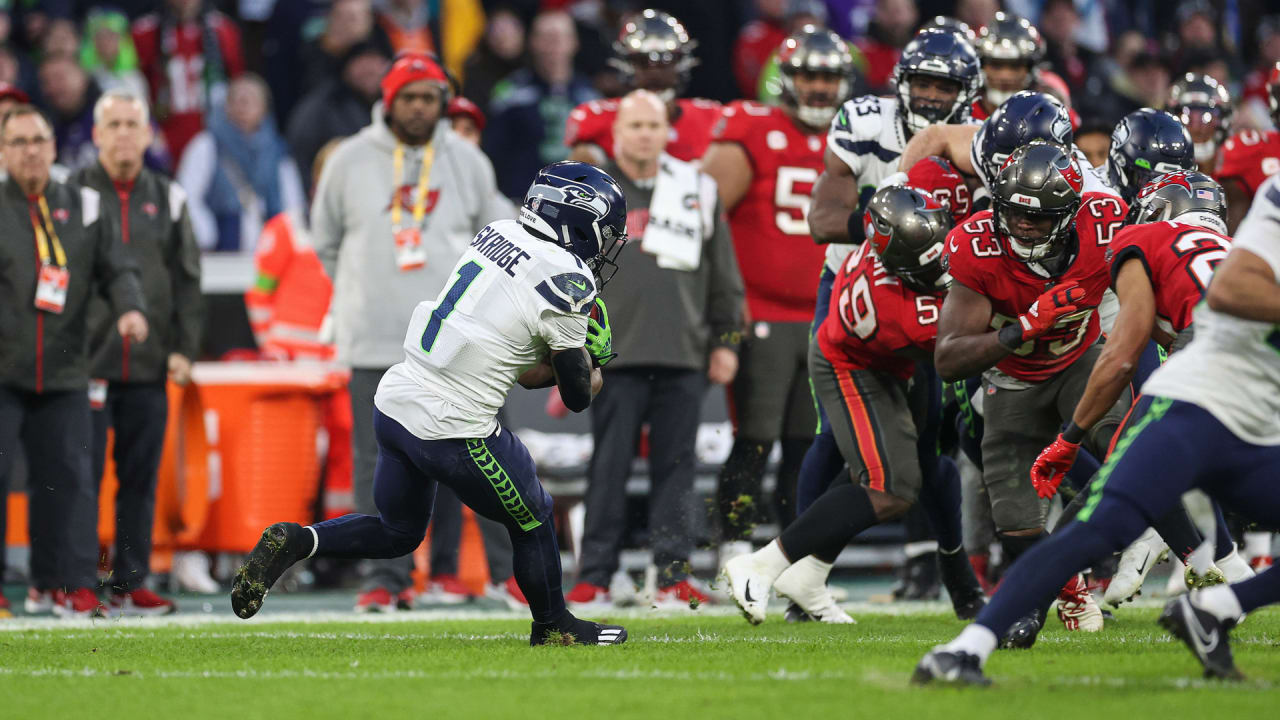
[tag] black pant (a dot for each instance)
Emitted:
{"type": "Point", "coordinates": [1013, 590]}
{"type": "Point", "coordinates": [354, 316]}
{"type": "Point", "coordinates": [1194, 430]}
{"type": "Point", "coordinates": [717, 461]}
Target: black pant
{"type": "Point", "coordinates": [138, 412]}
{"type": "Point", "coordinates": [670, 400]}
{"type": "Point", "coordinates": [53, 429]}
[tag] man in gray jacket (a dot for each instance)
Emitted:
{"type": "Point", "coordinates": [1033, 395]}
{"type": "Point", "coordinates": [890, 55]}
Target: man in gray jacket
{"type": "Point", "coordinates": [395, 207]}
{"type": "Point", "coordinates": [677, 315]}
{"type": "Point", "coordinates": [128, 392]}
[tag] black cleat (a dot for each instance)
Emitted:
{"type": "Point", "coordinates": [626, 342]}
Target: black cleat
{"type": "Point", "coordinates": [796, 614]}
{"type": "Point", "coordinates": [919, 579]}
{"type": "Point", "coordinates": [579, 632]}
{"type": "Point", "coordinates": [967, 598]}
{"type": "Point", "coordinates": [1023, 633]}
{"type": "Point", "coordinates": [953, 668]}
{"type": "Point", "coordinates": [281, 545]}
{"type": "Point", "coordinates": [1204, 634]}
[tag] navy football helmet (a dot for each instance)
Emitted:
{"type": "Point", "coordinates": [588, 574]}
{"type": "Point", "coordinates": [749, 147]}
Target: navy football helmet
{"type": "Point", "coordinates": [580, 208]}
{"type": "Point", "coordinates": [1025, 117]}
{"type": "Point", "coordinates": [943, 54]}
{"type": "Point", "coordinates": [1147, 143]}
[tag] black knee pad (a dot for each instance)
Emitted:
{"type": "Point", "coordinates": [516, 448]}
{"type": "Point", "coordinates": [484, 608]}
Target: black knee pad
{"type": "Point", "coordinates": [1015, 545]}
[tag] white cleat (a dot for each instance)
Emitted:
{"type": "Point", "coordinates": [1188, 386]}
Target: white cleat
{"type": "Point", "coordinates": [1076, 607]}
{"type": "Point", "coordinates": [1233, 567]}
{"type": "Point", "coordinates": [805, 584]}
{"type": "Point", "coordinates": [732, 549]}
{"type": "Point", "coordinates": [748, 587]}
{"type": "Point", "coordinates": [1177, 581]}
{"type": "Point", "coordinates": [1135, 563]}
{"type": "Point", "coordinates": [1212, 576]}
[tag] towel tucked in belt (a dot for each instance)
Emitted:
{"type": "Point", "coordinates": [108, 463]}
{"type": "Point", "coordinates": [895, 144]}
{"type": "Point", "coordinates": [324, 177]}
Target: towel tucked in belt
{"type": "Point", "coordinates": [680, 214]}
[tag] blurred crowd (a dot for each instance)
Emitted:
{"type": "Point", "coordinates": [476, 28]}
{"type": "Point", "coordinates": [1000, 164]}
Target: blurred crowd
{"type": "Point", "coordinates": [245, 94]}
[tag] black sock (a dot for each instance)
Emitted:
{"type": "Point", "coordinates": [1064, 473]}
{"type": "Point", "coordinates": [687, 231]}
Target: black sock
{"type": "Point", "coordinates": [1179, 532]}
{"type": "Point", "coordinates": [835, 518]}
{"type": "Point", "coordinates": [1015, 545]}
{"type": "Point", "coordinates": [536, 565]}
{"type": "Point", "coordinates": [738, 495]}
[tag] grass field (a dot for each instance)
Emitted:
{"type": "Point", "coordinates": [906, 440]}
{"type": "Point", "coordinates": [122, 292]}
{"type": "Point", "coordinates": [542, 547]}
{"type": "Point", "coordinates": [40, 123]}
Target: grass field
{"type": "Point", "coordinates": [704, 665]}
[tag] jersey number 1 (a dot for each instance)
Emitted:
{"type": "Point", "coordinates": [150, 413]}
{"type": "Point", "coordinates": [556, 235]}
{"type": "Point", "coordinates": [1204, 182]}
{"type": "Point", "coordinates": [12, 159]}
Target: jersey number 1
{"type": "Point", "coordinates": [466, 275]}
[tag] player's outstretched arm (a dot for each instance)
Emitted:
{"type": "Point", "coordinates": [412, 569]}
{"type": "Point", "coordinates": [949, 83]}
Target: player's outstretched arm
{"type": "Point", "coordinates": [835, 197]}
{"type": "Point", "coordinates": [966, 343]}
{"type": "Point", "coordinates": [577, 380]}
{"type": "Point", "coordinates": [948, 141]}
{"type": "Point", "coordinates": [1120, 354]}
{"type": "Point", "coordinates": [1244, 285]}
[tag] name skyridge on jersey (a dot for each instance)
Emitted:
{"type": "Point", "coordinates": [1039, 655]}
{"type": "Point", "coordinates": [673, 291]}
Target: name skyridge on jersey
{"type": "Point", "coordinates": [504, 253]}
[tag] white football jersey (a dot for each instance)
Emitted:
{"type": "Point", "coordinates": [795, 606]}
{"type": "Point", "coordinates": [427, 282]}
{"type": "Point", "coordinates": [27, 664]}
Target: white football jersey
{"type": "Point", "coordinates": [868, 136]}
{"type": "Point", "coordinates": [1232, 366]}
{"type": "Point", "coordinates": [514, 298]}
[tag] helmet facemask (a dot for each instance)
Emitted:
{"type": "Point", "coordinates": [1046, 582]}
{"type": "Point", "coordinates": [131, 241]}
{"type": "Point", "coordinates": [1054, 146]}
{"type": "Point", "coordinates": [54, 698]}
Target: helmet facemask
{"type": "Point", "coordinates": [1032, 235]}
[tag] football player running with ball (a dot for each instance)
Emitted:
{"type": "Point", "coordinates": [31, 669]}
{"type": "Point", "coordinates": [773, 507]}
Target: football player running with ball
{"type": "Point", "coordinates": [521, 310]}
{"type": "Point", "coordinates": [1213, 423]}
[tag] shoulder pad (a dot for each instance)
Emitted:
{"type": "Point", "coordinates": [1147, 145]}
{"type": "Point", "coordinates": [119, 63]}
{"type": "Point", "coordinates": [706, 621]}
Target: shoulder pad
{"type": "Point", "coordinates": [738, 121]}
{"type": "Point", "coordinates": [569, 292]}
{"type": "Point", "coordinates": [859, 119]}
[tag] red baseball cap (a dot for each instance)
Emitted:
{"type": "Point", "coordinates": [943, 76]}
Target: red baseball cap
{"type": "Point", "coordinates": [462, 107]}
{"type": "Point", "coordinates": [13, 92]}
{"type": "Point", "coordinates": [410, 67]}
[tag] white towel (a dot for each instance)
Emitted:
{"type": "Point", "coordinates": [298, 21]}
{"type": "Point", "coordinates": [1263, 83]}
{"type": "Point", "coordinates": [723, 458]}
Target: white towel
{"type": "Point", "coordinates": [680, 215]}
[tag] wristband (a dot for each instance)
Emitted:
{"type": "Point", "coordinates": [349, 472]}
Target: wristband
{"type": "Point", "coordinates": [1010, 337]}
{"type": "Point", "coordinates": [1074, 433]}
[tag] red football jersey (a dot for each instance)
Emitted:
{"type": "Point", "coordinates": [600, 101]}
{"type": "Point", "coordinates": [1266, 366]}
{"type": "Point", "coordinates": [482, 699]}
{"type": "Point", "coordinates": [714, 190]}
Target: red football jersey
{"type": "Point", "coordinates": [874, 316]}
{"type": "Point", "coordinates": [980, 261]}
{"type": "Point", "coordinates": [778, 258]}
{"type": "Point", "coordinates": [938, 177]}
{"type": "Point", "coordinates": [1179, 260]}
{"type": "Point", "coordinates": [977, 111]}
{"type": "Point", "coordinates": [1250, 157]}
{"type": "Point", "coordinates": [592, 122]}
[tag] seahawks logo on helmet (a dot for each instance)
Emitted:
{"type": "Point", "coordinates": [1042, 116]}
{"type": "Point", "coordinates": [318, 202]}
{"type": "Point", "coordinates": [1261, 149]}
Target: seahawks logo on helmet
{"type": "Point", "coordinates": [576, 195]}
{"type": "Point", "coordinates": [1060, 128]}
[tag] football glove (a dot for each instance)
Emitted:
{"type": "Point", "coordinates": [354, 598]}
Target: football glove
{"type": "Point", "coordinates": [1052, 465]}
{"type": "Point", "coordinates": [1057, 301]}
{"type": "Point", "coordinates": [599, 335]}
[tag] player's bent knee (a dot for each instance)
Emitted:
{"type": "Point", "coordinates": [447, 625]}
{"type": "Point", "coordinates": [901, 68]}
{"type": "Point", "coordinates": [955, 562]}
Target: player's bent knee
{"type": "Point", "coordinates": [889, 507]}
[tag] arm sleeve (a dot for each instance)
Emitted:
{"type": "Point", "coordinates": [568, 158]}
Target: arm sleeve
{"type": "Point", "coordinates": [184, 274]}
{"type": "Point", "coordinates": [1259, 232]}
{"type": "Point", "coordinates": [724, 289]}
{"type": "Point", "coordinates": [195, 173]}
{"type": "Point", "coordinates": [326, 214]}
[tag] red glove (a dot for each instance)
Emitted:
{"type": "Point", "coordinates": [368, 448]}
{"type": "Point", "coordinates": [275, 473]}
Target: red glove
{"type": "Point", "coordinates": [1057, 301]}
{"type": "Point", "coordinates": [1052, 465]}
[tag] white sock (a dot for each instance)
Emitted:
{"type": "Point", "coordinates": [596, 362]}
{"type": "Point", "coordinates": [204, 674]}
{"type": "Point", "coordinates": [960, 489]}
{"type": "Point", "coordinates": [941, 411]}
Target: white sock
{"type": "Point", "coordinates": [975, 639]}
{"type": "Point", "coordinates": [771, 561]}
{"type": "Point", "coordinates": [1257, 544]}
{"type": "Point", "coordinates": [813, 571]}
{"type": "Point", "coordinates": [1219, 601]}
{"type": "Point", "coordinates": [315, 542]}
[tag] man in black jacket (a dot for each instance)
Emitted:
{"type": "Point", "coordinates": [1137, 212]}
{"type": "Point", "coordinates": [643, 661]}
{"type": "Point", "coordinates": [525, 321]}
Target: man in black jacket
{"type": "Point", "coordinates": [128, 389]}
{"type": "Point", "coordinates": [57, 250]}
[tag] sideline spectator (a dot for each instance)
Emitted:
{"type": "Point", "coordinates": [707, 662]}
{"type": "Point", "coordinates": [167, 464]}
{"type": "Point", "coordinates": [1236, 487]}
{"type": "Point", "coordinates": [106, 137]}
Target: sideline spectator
{"type": "Point", "coordinates": [1059, 21]}
{"type": "Point", "coordinates": [69, 95]}
{"type": "Point", "coordinates": [44, 363]}
{"type": "Point", "coordinates": [677, 313]}
{"type": "Point", "coordinates": [500, 53]}
{"type": "Point", "coordinates": [187, 53]}
{"type": "Point", "coordinates": [337, 108]}
{"type": "Point", "coordinates": [107, 53]}
{"type": "Point", "coordinates": [395, 207]}
{"type": "Point", "coordinates": [348, 25]}
{"type": "Point", "coordinates": [238, 172]}
{"type": "Point", "coordinates": [530, 108]}
{"type": "Point", "coordinates": [128, 391]}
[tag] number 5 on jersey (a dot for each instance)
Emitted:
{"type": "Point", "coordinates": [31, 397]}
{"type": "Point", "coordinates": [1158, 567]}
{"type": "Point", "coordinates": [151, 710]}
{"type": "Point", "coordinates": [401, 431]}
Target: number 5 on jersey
{"type": "Point", "coordinates": [466, 275]}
